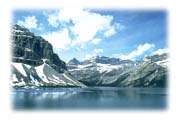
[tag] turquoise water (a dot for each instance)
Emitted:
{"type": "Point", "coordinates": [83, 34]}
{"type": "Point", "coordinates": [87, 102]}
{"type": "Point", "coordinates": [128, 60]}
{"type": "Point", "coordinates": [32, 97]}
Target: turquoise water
{"type": "Point", "coordinates": [89, 98]}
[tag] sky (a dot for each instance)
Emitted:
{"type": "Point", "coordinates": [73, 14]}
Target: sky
{"type": "Point", "coordinates": [83, 33]}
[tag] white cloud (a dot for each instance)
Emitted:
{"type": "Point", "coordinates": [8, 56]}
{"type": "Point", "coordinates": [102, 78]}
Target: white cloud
{"type": "Point", "coordinates": [29, 22]}
{"type": "Point", "coordinates": [139, 51]}
{"type": "Point", "coordinates": [88, 56]}
{"type": "Point", "coordinates": [160, 51]}
{"type": "Point", "coordinates": [96, 41]}
{"type": "Point", "coordinates": [88, 24]}
{"type": "Point", "coordinates": [119, 26]}
{"type": "Point", "coordinates": [53, 20]}
{"type": "Point", "coordinates": [84, 24]}
{"type": "Point", "coordinates": [110, 32]}
{"type": "Point", "coordinates": [95, 52]}
{"type": "Point", "coordinates": [98, 50]}
{"type": "Point", "coordinates": [59, 39]}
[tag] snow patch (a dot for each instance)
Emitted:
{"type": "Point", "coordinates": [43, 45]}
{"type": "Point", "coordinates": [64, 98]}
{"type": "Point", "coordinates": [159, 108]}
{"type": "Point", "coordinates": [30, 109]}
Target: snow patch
{"type": "Point", "coordinates": [19, 84]}
{"type": "Point", "coordinates": [80, 67]}
{"type": "Point", "coordinates": [18, 31]}
{"type": "Point", "coordinates": [20, 68]}
{"type": "Point", "coordinates": [24, 36]}
{"type": "Point", "coordinates": [40, 73]}
{"type": "Point", "coordinates": [83, 66]}
{"type": "Point", "coordinates": [107, 67]}
{"type": "Point", "coordinates": [14, 78]}
{"type": "Point", "coordinates": [163, 63]}
{"type": "Point", "coordinates": [57, 78]}
{"type": "Point", "coordinates": [27, 49]}
{"type": "Point", "coordinates": [34, 81]}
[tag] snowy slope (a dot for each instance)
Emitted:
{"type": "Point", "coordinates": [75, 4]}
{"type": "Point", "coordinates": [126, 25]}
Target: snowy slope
{"type": "Point", "coordinates": [99, 67]}
{"type": "Point", "coordinates": [24, 75]}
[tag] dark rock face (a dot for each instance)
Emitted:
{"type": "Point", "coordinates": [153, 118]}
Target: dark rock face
{"type": "Point", "coordinates": [34, 50]}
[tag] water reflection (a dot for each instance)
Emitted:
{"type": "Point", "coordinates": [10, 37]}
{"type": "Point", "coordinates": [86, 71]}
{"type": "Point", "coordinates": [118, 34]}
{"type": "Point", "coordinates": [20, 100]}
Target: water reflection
{"type": "Point", "coordinates": [87, 98]}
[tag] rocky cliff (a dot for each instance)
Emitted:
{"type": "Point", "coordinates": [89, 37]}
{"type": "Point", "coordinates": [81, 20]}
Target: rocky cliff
{"type": "Point", "coordinates": [34, 64]}
{"type": "Point", "coordinates": [34, 50]}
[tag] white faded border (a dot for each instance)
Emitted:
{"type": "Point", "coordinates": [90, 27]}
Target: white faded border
{"type": "Point", "coordinates": [172, 8]}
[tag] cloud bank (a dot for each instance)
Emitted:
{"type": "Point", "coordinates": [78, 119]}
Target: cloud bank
{"type": "Point", "coordinates": [84, 26]}
{"type": "Point", "coordinates": [29, 22]}
{"type": "Point", "coordinates": [138, 52]}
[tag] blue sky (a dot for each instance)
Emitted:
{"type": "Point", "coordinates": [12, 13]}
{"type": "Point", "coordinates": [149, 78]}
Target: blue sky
{"type": "Point", "coordinates": [83, 33]}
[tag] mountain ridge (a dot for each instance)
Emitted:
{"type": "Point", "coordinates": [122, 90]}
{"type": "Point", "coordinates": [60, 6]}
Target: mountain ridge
{"type": "Point", "coordinates": [34, 63]}
{"type": "Point", "coordinates": [34, 50]}
{"type": "Point", "coordinates": [150, 71]}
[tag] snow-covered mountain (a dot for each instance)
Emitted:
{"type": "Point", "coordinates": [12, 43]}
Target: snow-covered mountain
{"type": "Point", "coordinates": [104, 71]}
{"type": "Point", "coordinates": [160, 59]}
{"type": "Point", "coordinates": [35, 64]}
{"type": "Point", "coordinates": [43, 75]}
{"type": "Point", "coordinates": [99, 63]}
{"type": "Point", "coordinates": [74, 61]}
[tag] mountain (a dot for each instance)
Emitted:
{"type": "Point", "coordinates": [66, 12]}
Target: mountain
{"type": "Point", "coordinates": [102, 63]}
{"type": "Point", "coordinates": [159, 59]}
{"type": "Point", "coordinates": [43, 75]}
{"type": "Point", "coordinates": [35, 64]}
{"type": "Point", "coordinates": [74, 61]}
{"type": "Point", "coordinates": [104, 60]}
{"type": "Point", "coordinates": [146, 74]}
{"type": "Point", "coordinates": [99, 70]}
{"type": "Point", "coordinates": [104, 71]}
{"type": "Point", "coordinates": [34, 50]}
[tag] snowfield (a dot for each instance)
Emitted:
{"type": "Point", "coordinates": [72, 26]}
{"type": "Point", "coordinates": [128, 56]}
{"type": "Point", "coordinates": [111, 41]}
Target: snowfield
{"type": "Point", "coordinates": [43, 75]}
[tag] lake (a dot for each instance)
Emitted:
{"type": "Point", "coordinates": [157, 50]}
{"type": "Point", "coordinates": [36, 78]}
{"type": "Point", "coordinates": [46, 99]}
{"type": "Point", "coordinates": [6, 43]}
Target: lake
{"type": "Point", "coordinates": [89, 98]}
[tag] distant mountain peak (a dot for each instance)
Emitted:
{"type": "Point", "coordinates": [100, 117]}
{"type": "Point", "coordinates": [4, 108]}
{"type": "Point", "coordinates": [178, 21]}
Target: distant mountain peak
{"type": "Point", "coordinates": [106, 71]}
{"type": "Point", "coordinates": [74, 61]}
{"type": "Point", "coordinates": [103, 60]}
